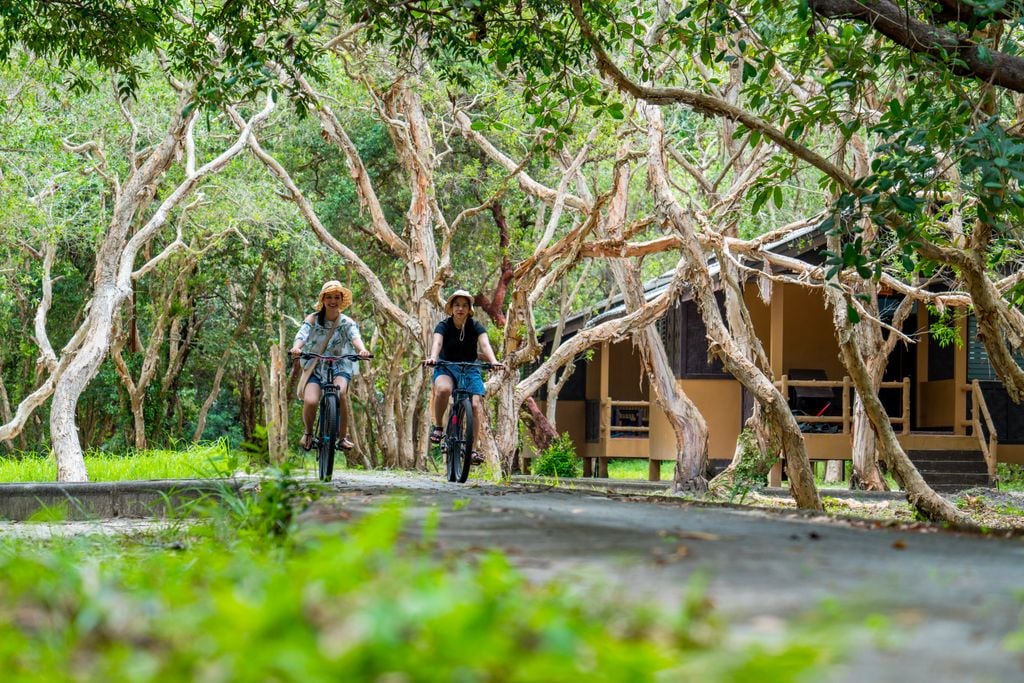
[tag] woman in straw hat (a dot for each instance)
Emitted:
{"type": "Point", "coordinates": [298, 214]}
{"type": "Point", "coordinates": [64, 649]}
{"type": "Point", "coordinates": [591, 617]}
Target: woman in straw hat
{"type": "Point", "coordinates": [459, 338]}
{"type": "Point", "coordinates": [327, 332]}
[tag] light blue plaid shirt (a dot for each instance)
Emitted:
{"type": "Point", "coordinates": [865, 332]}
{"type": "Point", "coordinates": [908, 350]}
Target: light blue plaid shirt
{"type": "Point", "coordinates": [342, 333]}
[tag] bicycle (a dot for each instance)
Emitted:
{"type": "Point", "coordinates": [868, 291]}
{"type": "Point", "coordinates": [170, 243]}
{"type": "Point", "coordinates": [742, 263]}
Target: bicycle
{"type": "Point", "coordinates": [457, 443]}
{"type": "Point", "coordinates": [326, 436]}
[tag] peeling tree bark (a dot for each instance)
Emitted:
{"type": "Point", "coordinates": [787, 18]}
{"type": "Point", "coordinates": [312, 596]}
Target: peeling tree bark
{"type": "Point", "coordinates": [112, 282]}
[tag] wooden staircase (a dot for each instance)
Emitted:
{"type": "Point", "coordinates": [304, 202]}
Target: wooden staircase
{"type": "Point", "coordinates": [950, 471]}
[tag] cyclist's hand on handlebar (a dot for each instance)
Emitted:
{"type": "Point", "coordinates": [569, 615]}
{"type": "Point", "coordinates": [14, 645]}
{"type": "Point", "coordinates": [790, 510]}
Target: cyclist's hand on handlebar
{"type": "Point", "coordinates": [365, 354]}
{"type": "Point", "coordinates": [430, 362]}
{"type": "Point", "coordinates": [498, 366]}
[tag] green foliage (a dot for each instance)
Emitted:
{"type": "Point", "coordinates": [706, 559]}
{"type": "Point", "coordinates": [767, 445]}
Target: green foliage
{"type": "Point", "coordinates": [270, 514]}
{"type": "Point", "coordinates": [559, 459]}
{"type": "Point", "coordinates": [751, 472]}
{"type": "Point", "coordinates": [354, 603]}
{"type": "Point", "coordinates": [943, 328]}
{"type": "Point", "coordinates": [257, 448]}
{"type": "Point", "coordinates": [1010, 476]}
{"type": "Point", "coordinates": [116, 36]}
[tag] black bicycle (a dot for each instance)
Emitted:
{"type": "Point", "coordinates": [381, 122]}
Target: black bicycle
{"type": "Point", "coordinates": [326, 436]}
{"type": "Point", "coordinates": [457, 443]}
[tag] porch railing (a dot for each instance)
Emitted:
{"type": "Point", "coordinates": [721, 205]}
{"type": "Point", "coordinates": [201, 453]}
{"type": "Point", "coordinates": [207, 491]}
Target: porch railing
{"type": "Point", "coordinates": [979, 417]}
{"type": "Point", "coordinates": [641, 432]}
{"type": "Point", "coordinates": [847, 392]}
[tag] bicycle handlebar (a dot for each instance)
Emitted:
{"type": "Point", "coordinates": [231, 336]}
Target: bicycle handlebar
{"type": "Point", "coordinates": [465, 364]}
{"type": "Point", "coordinates": [331, 359]}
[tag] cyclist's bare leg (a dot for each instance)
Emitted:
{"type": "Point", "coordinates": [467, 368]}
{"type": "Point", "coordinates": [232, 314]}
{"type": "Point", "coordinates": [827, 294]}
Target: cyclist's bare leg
{"type": "Point", "coordinates": [478, 418]}
{"type": "Point", "coordinates": [442, 392]}
{"type": "Point", "coordinates": [342, 385]}
{"type": "Point", "coordinates": [310, 401]}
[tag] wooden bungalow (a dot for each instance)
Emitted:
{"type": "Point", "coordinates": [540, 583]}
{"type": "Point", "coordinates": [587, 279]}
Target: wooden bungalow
{"type": "Point", "coordinates": [951, 413]}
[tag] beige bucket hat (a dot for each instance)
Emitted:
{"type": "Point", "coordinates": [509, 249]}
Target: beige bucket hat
{"type": "Point", "coordinates": [453, 296]}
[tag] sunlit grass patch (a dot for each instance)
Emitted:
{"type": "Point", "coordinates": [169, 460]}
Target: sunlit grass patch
{"type": "Point", "coordinates": [200, 461]}
{"type": "Point", "coordinates": [636, 468]}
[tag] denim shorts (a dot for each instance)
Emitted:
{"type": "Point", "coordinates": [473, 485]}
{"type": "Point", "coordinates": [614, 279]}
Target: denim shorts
{"type": "Point", "coordinates": [466, 379]}
{"type": "Point", "coordinates": [315, 378]}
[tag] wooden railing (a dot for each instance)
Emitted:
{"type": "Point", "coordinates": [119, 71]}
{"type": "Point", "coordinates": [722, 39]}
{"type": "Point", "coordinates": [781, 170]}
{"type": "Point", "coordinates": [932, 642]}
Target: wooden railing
{"type": "Point", "coordinates": [846, 419]}
{"type": "Point", "coordinates": [606, 418]}
{"type": "Point", "coordinates": [980, 415]}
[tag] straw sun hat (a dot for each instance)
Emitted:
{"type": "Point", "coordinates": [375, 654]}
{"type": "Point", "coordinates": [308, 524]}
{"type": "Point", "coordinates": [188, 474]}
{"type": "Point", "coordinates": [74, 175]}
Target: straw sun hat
{"type": "Point", "coordinates": [334, 286]}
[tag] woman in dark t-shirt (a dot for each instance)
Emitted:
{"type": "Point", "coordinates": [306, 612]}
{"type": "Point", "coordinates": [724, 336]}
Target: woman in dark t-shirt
{"type": "Point", "coordinates": [461, 339]}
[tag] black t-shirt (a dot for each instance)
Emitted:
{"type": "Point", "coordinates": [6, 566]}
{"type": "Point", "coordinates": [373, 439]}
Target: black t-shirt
{"type": "Point", "coordinates": [455, 349]}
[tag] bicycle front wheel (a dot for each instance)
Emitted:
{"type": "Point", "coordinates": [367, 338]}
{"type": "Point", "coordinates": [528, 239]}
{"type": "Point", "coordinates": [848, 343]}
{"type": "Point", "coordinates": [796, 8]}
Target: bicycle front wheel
{"type": "Point", "coordinates": [460, 441]}
{"type": "Point", "coordinates": [328, 436]}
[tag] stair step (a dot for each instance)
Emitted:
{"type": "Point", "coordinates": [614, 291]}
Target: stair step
{"type": "Point", "coordinates": [917, 456]}
{"type": "Point", "coordinates": [962, 479]}
{"type": "Point", "coordinates": [965, 466]}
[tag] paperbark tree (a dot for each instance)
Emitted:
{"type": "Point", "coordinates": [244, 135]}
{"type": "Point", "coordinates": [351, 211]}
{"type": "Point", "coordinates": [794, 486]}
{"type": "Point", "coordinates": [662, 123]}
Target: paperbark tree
{"type": "Point", "coordinates": [115, 265]}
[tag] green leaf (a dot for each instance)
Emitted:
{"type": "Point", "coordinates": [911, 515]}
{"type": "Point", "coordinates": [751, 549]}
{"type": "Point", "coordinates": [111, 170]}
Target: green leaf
{"type": "Point", "coordinates": [905, 204]}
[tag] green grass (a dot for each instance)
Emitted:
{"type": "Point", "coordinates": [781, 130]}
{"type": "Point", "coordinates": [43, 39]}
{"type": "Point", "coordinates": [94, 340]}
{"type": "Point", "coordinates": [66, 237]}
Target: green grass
{"type": "Point", "coordinates": [636, 468]}
{"type": "Point", "coordinates": [196, 462]}
{"type": "Point", "coordinates": [1011, 477]}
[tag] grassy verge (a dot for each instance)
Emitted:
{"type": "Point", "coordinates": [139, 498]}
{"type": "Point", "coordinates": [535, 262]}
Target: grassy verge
{"type": "Point", "coordinates": [196, 462]}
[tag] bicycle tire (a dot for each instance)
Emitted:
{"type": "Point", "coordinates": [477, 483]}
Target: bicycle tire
{"type": "Point", "coordinates": [450, 446]}
{"type": "Point", "coordinates": [460, 447]}
{"type": "Point", "coordinates": [328, 436]}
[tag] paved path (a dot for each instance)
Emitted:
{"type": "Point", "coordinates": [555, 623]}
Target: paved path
{"type": "Point", "coordinates": [951, 598]}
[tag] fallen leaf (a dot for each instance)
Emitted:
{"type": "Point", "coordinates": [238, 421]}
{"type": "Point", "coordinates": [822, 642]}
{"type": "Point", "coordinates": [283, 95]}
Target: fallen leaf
{"type": "Point", "coordinates": [697, 535]}
{"type": "Point", "coordinates": [899, 544]}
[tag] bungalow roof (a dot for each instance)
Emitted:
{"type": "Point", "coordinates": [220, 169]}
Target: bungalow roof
{"type": "Point", "coordinates": [795, 243]}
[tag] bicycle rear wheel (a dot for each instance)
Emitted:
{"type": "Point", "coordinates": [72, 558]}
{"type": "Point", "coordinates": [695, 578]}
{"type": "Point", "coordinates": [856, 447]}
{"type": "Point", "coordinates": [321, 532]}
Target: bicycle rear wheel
{"type": "Point", "coordinates": [328, 436]}
{"type": "Point", "coordinates": [460, 441]}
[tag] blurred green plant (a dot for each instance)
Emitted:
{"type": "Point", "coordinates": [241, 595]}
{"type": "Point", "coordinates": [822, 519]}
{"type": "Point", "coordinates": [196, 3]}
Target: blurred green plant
{"type": "Point", "coordinates": [349, 602]}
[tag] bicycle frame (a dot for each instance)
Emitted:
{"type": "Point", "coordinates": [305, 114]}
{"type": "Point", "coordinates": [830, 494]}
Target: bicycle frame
{"type": "Point", "coordinates": [458, 440]}
{"type": "Point", "coordinates": [328, 411]}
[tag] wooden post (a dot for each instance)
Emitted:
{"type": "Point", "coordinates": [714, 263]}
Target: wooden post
{"type": "Point", "coordinates": [775, 346]}
{"type": "Point", "coordinates": [525, 465]}
{"type": "Point", "coordinates": [602, 467]}
{"type": "Point", "coordinates": [960, 379]}
{"type": "Point", "coordinates": [906, 405]}
{"type": "Point", "coordinates": [846, 404]}
{"type": "Point", "coordinates": [588, 467]}
{"type": "Point", "coordinates": [653, 469]}
{"type": "Point", "coordinates": [606, 401]}
{"type": "Point", "coordinates": [775, 475]}
{"type": "Point", "coordinates": [922, 358]}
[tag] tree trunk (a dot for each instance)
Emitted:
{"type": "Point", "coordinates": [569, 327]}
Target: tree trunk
{"type": "Point", "coordinates": [834, 472]}
{"type": "Point", "coordinates": [720, 342]}
{"type": "Point", "coordinates": [865, 475]}
{"type": "Point", "coordinates": [113, 276]}
{"type": "Point", "coordinates": [919, 494]}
